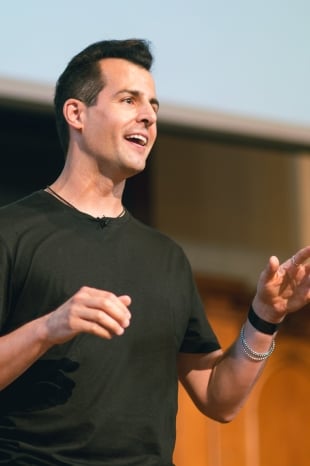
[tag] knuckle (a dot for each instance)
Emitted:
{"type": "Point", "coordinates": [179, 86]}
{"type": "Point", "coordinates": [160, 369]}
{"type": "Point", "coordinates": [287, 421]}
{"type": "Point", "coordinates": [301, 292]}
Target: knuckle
{"type": "Point", "coordinates": [75, 299]}
{"type": "Point", "coordinates": [108, 295]}
{"type": "Point", "coordinates": [83, 291]}
{"type": "Point", "coordinates": [80, 295]}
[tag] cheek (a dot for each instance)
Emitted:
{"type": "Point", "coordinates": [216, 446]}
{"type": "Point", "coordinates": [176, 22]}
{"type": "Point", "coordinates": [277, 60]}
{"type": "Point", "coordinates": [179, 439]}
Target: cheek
{"type": "Point", "coordinates": [96, 140]}
{"type": "Point", "coordinates": [153, 133]}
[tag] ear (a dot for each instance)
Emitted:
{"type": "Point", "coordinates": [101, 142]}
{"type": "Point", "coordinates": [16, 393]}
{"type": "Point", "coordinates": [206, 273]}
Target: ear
{"type": "Point", "coordinates": [72, 110]}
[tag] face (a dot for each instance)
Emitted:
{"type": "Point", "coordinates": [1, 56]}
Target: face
{"type": "Point", "coordinates": [120, 129]}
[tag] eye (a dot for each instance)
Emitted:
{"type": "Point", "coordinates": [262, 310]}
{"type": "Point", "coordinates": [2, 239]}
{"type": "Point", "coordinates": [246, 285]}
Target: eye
{"type": "Point", "coordinates": [128, 100]}
{"type": "Point", "coordinates": [155, 108]}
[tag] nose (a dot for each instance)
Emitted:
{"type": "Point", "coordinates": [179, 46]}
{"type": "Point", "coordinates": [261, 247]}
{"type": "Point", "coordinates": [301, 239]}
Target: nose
{"type": "Point", "coordinates": [147, 115]}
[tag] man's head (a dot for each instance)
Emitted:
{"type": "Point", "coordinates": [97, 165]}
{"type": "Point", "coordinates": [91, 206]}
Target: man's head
{"type": "Point", "coordinates": [82, 79]}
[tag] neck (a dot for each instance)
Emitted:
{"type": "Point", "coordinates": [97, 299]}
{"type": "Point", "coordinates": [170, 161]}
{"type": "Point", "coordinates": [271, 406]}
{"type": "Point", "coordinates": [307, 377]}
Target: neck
{"type": "Point", "coordinates": [88, 187]}
{"type": "Point", "coordinates": [96, 199]}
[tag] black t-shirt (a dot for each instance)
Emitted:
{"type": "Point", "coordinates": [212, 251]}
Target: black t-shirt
{"type": "Point", "coordinates": [93, 401]}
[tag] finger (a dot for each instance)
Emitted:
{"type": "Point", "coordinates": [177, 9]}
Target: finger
{"type": "Point", "coordinates": [116, 306]}
{"type": "Point", "coordinates": [300, 257]}
{"type": "Point", "coordinates": [103, 328]}
{"type": "Point", "coordinates": [101, 323]}
{"type": "Point", "coordinates": [100, 312]}
{"type": "Point", "coordinates": [110, 310]}
{"type": "Point", "coordinates": [271, 268]}
{"type": "Point", "coordinates": [74, 317]}
{"type": "Point", "coordinates": [107, 302]}
{"type": "Point", "coordinates": [126, 300]}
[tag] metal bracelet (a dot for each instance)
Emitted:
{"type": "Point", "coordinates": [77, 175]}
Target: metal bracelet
{"type": "Point", "coordinates": [254, 355]}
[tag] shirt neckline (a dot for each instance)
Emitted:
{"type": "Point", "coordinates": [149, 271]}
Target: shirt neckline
{"type": "Point", "coordinates": [103, 221]}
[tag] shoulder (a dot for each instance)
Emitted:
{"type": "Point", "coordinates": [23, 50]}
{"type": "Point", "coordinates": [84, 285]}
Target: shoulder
{"type": "Point", "coordinates": [26, 202]}
{"type": "Point", "coordinates": [21, 214]}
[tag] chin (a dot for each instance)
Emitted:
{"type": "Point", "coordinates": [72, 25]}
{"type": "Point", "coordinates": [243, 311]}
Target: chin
{"type": "Point", "coordinates": [134, 171]}
{"type": "Point", "coordinates": [136, 168]}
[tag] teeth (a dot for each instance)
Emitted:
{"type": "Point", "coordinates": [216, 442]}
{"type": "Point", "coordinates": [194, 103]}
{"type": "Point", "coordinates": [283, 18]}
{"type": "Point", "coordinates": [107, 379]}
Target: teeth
{"type": "Point", "coordinates": [138, 138]}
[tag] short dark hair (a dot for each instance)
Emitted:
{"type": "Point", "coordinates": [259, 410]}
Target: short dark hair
{"type": "Point", "coordinates": [82, 78]}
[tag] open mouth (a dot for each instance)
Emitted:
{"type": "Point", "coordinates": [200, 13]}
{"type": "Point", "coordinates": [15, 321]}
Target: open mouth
{"type": "Point", "coordinates": [137, 139]}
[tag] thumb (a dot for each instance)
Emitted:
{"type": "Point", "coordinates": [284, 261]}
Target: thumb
{"type": "Point", "coordinates": [271, 268]}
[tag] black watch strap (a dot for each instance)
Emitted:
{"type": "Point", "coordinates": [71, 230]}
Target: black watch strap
{"type": "Point", "coordinates": [261, 324]}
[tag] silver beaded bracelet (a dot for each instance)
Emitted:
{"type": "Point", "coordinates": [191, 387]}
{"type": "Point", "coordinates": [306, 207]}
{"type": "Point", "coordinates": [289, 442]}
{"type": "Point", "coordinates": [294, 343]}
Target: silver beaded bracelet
{"type": "Point", "coordinates": [254, 355]}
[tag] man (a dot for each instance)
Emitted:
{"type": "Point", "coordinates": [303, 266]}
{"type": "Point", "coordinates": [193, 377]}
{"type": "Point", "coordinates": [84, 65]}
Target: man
{"type": "Point", "coordinates": [99, 314]}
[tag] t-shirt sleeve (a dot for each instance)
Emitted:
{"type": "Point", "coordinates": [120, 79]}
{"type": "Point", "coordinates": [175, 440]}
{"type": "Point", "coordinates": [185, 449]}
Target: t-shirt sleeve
{"type": "Point", "coordinates": [199, 336]}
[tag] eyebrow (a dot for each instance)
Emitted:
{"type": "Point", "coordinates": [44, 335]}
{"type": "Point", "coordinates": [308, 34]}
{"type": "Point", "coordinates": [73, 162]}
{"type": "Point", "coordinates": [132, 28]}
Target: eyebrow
{"type": "Point", "coordinates": [135, 93]}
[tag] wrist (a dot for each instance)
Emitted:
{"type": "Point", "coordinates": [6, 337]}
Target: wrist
{"type": "Point", "coordinates": [260, 324]}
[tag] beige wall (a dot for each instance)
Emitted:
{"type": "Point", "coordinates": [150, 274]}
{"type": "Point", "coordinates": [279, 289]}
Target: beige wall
{"type": "Point", "coordinates": [230, 205]}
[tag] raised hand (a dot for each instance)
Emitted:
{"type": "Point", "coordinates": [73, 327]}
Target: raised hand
{"type": "Point", "coordinates": [283, 288]}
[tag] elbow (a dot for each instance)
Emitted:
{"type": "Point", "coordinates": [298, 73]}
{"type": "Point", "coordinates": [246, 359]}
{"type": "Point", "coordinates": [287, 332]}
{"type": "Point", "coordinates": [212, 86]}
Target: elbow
{"type": "Point", "coordinates": [222, 419]}
{"type": "Point", "coordinates": [225, 419]}
{"type": "Point", "coordinates": [219, 415]}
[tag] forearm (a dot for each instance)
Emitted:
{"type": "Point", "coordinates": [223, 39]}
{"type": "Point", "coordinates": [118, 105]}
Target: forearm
{"type": "Point", "coordinates": [20, 349]}
{"type": "Point", "coordinates": [235, 374]}
{"type": "Point", "coordinates": [282, 288]}
{"type": "Point", "coordinates": [218, 383]}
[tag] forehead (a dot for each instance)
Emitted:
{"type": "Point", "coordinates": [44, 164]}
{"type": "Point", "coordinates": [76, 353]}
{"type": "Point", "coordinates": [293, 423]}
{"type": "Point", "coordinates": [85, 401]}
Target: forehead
{"type": "Point", "coordinates": [118, 73]}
